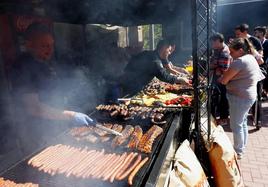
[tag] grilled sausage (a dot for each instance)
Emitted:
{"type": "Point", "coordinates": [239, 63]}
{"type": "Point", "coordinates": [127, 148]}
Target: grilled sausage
{"type": "Point", "coordinates": [72, 160]}
{"type": "Point", "coordinates": [81, 169]}
{"type": "Point", "coordinates": [126, 164]}
{"type": "Point", "coordinates": [72, 170]}
{"type": "Point", "coordinates": [125, 173]}
{"type": "Point", "coordinates": [137, 168]}
{"type": "Point", "coordinates": [118, 163]}
{"type": "Point", "coordinates": [128, 158]}
{"type": "Point", "coordinates": [110, 165]}
{"type": "Point", "coordinates": [104, 165]}
{"type": "Point", "coordinates": [94, 165]}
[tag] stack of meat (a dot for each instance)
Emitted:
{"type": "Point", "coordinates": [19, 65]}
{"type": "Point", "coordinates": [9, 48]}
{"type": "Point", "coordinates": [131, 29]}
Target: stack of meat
{"type": "Point", "coordinates": [156, 114]}
{"type": "Point", "coordinates": [158, 87]}
{"type": "Point", "coordinates": [177, 88]}
{"type": "Point", "coordinates": [86, 163]}
{"type": "Point", "coordinates": [154, 87]}
{"type": "Point", "coordinates": [93, 134]}
{"type": "Point", "coordinates": [147, 140]}
{"type": "Point", "coordinates": [8, 183]}
{"type": "Point", "coordinates": [132, 137]}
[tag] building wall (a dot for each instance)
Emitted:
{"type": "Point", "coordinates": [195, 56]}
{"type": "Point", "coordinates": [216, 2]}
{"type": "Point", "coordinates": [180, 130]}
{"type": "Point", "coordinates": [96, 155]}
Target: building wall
{"type": "Point", "coordinates": [229, 15]}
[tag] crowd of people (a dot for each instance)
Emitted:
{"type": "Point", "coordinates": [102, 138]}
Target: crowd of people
{"type": "Point", "coordinates": [239, 71]}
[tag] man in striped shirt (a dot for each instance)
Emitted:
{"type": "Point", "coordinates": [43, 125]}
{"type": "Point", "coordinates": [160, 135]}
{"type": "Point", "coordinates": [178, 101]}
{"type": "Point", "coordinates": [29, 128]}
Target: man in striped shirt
{"type": "Point", "coordinates": [219, 63]}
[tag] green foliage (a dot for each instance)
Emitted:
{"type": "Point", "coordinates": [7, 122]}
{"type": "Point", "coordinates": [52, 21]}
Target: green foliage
{"type": "Point", "coordinates": [157, 35]}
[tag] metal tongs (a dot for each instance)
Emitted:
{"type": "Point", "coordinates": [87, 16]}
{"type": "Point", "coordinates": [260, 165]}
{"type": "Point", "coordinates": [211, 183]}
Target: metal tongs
{"type": "Point", "coordinates": [110, 131]}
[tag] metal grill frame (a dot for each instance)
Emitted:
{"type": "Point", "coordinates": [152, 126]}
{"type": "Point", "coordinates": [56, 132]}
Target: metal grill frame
{"type": "Point", "coordinates": [203, 26]}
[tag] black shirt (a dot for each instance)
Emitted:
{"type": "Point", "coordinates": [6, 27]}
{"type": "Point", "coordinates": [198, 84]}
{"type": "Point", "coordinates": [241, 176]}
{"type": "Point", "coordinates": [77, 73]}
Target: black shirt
{"type": "Point", "coordinates": [265, 50]}
{"type": "Point", "coordinates": [31, 76]}
{"type": "Point", "coordinates": [256, 43]}
{"type": "Point", "coordinates": [141, 69]}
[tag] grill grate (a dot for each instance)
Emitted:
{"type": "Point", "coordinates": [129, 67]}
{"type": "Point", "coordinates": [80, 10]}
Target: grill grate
{"type": "Point", "coordinates": [24, 173]}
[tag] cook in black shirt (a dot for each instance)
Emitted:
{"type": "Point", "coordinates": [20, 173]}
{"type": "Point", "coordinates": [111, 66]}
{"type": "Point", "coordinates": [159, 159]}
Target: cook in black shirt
{"type": "Point", "coordinates": [143, 67]}
{"type": "Point", "coordinates": [35, 85]}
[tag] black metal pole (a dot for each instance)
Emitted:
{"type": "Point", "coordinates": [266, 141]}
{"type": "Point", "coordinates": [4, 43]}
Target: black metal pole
{"type": "Point", "coordinates": [196, 79]}
{"type": "Point", "coordinates": [208, 70]}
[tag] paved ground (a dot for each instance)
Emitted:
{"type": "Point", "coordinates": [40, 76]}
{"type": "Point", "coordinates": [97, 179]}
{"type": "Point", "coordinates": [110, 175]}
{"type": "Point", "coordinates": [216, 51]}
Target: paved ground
{"type": "Point", "coordinates": [254, 165]}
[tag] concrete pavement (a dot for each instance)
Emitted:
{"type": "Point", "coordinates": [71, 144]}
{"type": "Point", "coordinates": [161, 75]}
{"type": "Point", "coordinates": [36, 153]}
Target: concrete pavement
{"type": "Point", "coordinates": [254, 165]}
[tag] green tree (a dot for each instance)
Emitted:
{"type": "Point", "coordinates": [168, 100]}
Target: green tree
{"type": "Point", "coordinates": [157, 35]}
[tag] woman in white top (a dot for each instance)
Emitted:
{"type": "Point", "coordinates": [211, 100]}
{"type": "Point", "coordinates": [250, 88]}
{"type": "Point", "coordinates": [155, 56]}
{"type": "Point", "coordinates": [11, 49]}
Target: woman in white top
{"type": "Point", "coordinates": [241, 84]}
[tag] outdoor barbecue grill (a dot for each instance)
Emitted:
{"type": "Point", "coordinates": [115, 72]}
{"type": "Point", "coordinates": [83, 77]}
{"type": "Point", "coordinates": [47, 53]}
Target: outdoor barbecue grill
{"type": "Point", "coordinates": [21, 172]}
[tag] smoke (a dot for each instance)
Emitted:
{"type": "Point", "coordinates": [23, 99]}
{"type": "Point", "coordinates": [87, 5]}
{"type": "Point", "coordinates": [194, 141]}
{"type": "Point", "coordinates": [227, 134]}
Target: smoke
{"type": "Point", "coordinates": [87, 63]}
{"type": "Point", "coordinates": [86, 71]}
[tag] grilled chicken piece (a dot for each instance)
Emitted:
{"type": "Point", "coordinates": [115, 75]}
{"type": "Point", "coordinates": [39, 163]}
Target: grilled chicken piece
{"type": "Point", "coordinates": [117, 127]}
{"type": "Point", "coordinates": [119, 140]}
{"type": "Point", "coordinates": [90, 138]}
{"type": "Point", "coordinates": [100, 132]}
{"type": "Point", "coordinates": [148, 139]}
{"type": "Point", "coordinates": [135, 137]}
{"type": "Point", "coordinates": [80, 131]}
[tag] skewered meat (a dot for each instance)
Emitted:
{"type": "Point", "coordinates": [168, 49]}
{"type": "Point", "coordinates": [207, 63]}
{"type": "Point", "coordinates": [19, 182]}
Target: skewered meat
{"type": "Point", "coordinates": [84, 163]}
{"type": "Point", "coordinates": [148, 139]}
{"type": "Point", "coordinates": [137, 168]}
{"type": "Point", "coordinates": [114, 113]}
{"type": "Point", "coordinates": [9, 183]}
{"type": "Point", "coordinates": [135, 137]}
{"type": "Point", "coordinates": [136, 111]}
{"type": "Point", "coordinates": [118, 140]}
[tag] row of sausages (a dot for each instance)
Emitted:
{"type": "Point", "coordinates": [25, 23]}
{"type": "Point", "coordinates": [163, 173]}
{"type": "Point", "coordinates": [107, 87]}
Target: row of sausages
{"type": "Point", "coordinates": [9, 183]}
{"type": "Point", "coordinates": [86, 163]}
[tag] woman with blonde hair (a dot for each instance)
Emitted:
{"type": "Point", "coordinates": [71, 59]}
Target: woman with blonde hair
{"type": "Point", "coordinates": [241, 83]}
